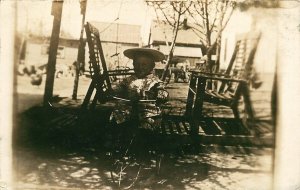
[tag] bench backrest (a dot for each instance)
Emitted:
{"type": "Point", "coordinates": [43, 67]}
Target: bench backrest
{"type": "Point", "coordinates": [97, 63]}
{"type": "Point", "coordinates": [241, 62]}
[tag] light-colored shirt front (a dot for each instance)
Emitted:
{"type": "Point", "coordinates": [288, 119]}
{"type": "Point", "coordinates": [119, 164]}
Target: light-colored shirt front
{"type": "Point", "coordinates": [135, 90]}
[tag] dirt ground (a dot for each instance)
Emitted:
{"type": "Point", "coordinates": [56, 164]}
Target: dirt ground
{"type": "Point", "coordinates": [89, 169]}
{"type": "Point", "coordinates": [57, 159]}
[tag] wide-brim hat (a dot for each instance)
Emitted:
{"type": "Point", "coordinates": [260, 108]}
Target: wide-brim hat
{"type": "Point", "coordinates": [157, 55]}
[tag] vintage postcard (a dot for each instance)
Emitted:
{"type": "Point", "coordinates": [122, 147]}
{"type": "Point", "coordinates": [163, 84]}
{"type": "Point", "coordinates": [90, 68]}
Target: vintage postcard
{"type": "Point", "coordinates": [148, 94]}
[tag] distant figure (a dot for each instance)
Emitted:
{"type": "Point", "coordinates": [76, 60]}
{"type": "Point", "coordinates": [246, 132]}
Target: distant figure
{"type": "Point", "coordinates": [73, 68]}
{"type": "Point", "coordinates": [255, 79]}
{"type": "Point", "coordinates": [81, 68]}
{"type": "Point", "coordinates": [183, 74]}
{"type": "Point", "coordinates": [203, 64]}
{"type": "Point", "coordinates": [21, 68]}
{"type": "Point", "coordinates": [36, 79]}
{"type": "Point", "coordinates": [30, 71]}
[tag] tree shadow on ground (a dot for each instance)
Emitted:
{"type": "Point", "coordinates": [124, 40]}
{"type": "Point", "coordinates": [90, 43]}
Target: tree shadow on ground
{"type": "Point", "coordinates": [90, 169]}
{"type": "Point", "coordinates": [74, 156]}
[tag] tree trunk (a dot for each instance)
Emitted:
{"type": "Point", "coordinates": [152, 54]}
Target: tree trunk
{"type": "Point", "coordinates": [219, 37]}
{"type": "Point", "coordinates": [170, 56]}
{"type": "Point", "coordinates": [218, 51]}
{"type": "Point", "coordinates": [210, 63]}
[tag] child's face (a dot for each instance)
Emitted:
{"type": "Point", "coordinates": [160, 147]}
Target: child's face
{"type": "Point", "coordinates": [143, 66]}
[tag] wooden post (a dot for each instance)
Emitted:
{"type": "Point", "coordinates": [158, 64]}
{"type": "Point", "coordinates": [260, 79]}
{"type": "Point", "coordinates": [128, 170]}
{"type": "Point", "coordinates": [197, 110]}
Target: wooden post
{"type": "Point", "coordinates": [81, 46]}
{"type": "Point", "coordinates": [200, 92]}
{"type": "Point", "coordinates": [57, 13]}
{"type": "Point", "coordinates": [191, 95]}
{"type": "Point", "coordinates": [7, 90]}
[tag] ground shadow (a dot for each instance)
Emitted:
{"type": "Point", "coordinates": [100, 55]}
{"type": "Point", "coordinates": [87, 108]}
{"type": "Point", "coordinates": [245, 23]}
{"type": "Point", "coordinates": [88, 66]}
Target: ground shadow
{"type": "Point", "coordinates": [59, 148]}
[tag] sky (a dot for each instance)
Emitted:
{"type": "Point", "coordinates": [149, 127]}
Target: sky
{"type": "Point", "coordinates": [35, 15]}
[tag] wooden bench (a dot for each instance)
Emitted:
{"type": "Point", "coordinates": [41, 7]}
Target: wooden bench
{"type": "Point", "coordinates": [100, 75]}
{"type": "Point", "coordinates": [230, 88]}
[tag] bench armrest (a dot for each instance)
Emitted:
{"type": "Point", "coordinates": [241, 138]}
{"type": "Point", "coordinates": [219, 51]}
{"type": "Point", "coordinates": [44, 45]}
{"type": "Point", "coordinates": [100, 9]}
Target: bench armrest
{"type": "Point", "coordinates": [208, 73]}
{"type": "Point", "coordinates": [224, 79]}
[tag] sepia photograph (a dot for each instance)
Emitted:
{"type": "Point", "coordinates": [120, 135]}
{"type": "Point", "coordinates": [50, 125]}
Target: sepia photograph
{"type": "Point", "coordinates": [150, 94]}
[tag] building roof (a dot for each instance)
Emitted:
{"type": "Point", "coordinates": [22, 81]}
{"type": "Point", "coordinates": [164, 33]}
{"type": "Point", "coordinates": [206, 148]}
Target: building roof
{"type": "Point", "coordinates": [121, 33]}
{"type": "Point", "coordinates": [161, 31]}
{"type": "Point", "coordinates": [182, 51]}
{"type": "Point", "coordinates": [68, 42]}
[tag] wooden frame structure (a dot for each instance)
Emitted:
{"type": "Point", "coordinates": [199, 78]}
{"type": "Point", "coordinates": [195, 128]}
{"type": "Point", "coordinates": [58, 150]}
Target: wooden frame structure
{"type": "Point", "coordinates": [229, 86]}
{"type": "Point", "coordinates": [98, 69]}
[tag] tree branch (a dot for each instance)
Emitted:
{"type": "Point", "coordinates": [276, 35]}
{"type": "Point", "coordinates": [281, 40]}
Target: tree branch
{"type": "Point", "coordinates": [166, 17]}
{"type": "Point", "coordinates": [191, 15]}
{"type": "Point", "coordinates": [215, 16]}
{"type": "Point", "coordinates": [187, 7]}
{"type": "Point", "coordinates": [197, 30]}
{"type": "Point", "coordinates": [198, 12]}
{"type": "Point", "coordinates": [201, 37]}
{"type": "Point", "coordinates": [208, 33]}
{"type": "Point", "coordinates": [170, 56]}
{"type": "Point", "coordinates": [224, 25]}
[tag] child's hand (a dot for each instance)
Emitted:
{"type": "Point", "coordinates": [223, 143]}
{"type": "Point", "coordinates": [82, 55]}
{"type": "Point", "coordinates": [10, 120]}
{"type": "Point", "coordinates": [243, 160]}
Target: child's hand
{"type": "Point", "coordinates": [162, 96]}
{"type": "Point", "coordinates": [133, 95]}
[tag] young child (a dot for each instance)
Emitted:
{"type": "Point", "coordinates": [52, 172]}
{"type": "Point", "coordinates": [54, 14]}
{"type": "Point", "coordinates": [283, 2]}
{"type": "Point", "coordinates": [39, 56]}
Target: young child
{"type": "Point", "coordinates": [139, 88]}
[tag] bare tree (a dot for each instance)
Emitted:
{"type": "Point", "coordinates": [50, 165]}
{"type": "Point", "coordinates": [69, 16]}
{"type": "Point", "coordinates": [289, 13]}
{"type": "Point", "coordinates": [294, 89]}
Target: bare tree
{"type": "Point", "coordinates": [172, 14]}
{"type": "Point", "coordinates": [210, 18]}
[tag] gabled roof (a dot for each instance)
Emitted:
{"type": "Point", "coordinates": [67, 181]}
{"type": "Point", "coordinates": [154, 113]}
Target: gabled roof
{"type": "Point", "coordinates": [68, 42]}
{"type": "Point", "coordinates": [120, 33]}
{"type": "Point", "coordinates": [182, 51]}
{"type": "Point", "coordinates": [161, 31]}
